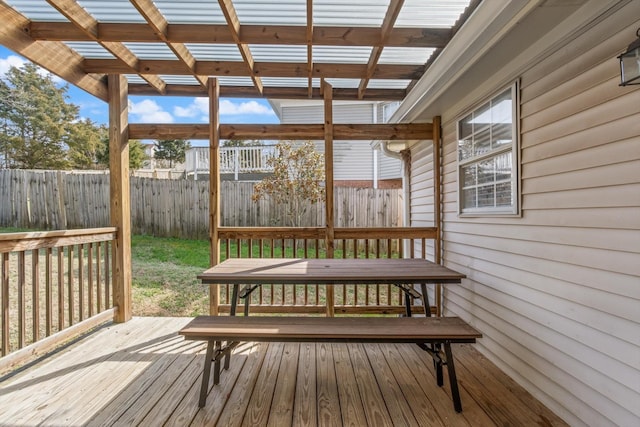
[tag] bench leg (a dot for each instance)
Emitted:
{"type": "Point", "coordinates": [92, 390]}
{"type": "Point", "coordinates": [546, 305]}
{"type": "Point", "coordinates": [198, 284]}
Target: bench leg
{"type": "Point", "coordinates": [234, 300]}
{"type": "Point", "coordinates": [204, 388]}
{"type": "Point", "coordinates": [453, 381]}
{"type": "Point", "coordinates": [216, 363]}
{"type": "Point", "coordinates": [425, 300]}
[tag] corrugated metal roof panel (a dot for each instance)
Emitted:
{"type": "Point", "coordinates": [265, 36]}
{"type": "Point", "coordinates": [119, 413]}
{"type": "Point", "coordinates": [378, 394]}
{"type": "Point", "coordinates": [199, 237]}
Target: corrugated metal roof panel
{"type": "Point", "coordinates": [388, 84]}
{"type": "Point", "coordinates": [289, 82]}
{"type": "Point", "coordinates": [341, 54]}
{"type": "Point", "coordinates": [278, 53]}
{"type": "Point", "coordinates": [179, 80]}
{"type": "Point", "coordinates": [112, 10]}
{"type": "Point", "coordinates": [235, 81]}
{"type": "Point", "coordinates": [358, 13]}
{"type": "Point", "coordinates": [281, 12]}
{"type": "Point", "coordinates": [150, 50]}
{"type": "Point", "coordinates": [191, 11]}
{"type": "Point", "coordinates": [37, 10]}
{"type": "Point", "coordinates": [430, 13]}
{"type": "Point", "coordinates": [214, 52]}
{"type": "Point", "coordinates": [135, 79]}
{"type": "Point", "coordinates": [405, 55]}
{"type": "Point", "coordinates": [91, 50]}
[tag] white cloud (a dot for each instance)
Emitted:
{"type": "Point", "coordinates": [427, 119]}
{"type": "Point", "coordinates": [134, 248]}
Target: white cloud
{"type": "Point", "coordinates": [17, 61]}
{"type": "Point", "coordinates": [148, 111]}
{"type": "Point", "coordinates": [250, 107]}
{"type": "Point", "coordinates": [10, 61]}
{"type": "Point", "coordinates": [200, 108]}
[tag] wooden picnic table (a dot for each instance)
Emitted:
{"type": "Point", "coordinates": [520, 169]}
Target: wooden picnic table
{"type": "Point", "coordinates": [401, 272]}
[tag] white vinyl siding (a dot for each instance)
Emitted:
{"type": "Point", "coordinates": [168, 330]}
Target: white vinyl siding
{"type": "Point", "coordinates": [353, 160]}
{"type": "Point", "coordinates": [556, 293]}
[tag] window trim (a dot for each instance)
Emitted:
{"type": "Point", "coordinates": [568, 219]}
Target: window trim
{"type": "Point", "coordinates": [514, 148]}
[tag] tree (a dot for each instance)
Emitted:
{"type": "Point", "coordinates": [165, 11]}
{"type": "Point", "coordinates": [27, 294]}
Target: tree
{"type": "Point", "coordinates": [297, 180]}
{"type": "Point", "coordinates": [84, 140]}
{"type": "Point", "coordinates": [35, 118]}
{"type": "Point", "coordinates": [136, 153]}
{"type": "Point", "coordinates": [172, 150]}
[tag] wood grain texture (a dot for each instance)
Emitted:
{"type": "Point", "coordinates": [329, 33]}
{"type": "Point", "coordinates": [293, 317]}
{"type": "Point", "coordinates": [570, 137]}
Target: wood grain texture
{"type": "Point", "coordinates": [329, 271]}
{"type": "Point", "coordinates": [137, 371]}
{"type": "Point", "coordinates": [349, 329]}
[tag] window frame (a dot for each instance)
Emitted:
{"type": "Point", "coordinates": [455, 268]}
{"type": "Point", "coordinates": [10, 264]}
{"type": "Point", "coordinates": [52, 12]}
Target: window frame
{"type": "Point", "coordinates": [513, 148]}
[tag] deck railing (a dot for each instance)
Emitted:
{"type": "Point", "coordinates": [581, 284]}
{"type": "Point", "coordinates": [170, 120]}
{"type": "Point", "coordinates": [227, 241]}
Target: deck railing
{"type": "Point", "coordinates": [277, 242]}
{"type": "Point", "coordinates": [53, 282]}
{"type": "Point", "coordinates": [233, 160]}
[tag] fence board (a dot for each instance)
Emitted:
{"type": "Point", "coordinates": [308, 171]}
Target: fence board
{"type": "Point", "coordinates": [52, 200]}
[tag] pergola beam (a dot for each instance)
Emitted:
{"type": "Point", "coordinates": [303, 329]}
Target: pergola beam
{"type": "Point", "coordinates": [89, 25]}
{"type": "Point", "coordinates": [272, 92]}
{"type": "Point", "coordinates": [270, 69]}
{"type": "Point", "coordinates": [229, 12]}
{"type": "Point", "coordinates": [249, 34]}
{"type": "Point", "coordinates": [385, 30]}
{"type": "Point", "coordinates": [353, 132]}
{"type": "Point", "coordinates": [53, 56]}
{"type": "Point", "coordinates": [159, 24]}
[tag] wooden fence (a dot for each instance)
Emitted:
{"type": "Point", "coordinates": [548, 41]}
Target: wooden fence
{"type": "Point", "coordinates": [57, 200]}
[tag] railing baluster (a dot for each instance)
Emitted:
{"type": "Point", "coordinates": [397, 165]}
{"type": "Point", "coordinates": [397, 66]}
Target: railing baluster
{"type": "Point", "coordinates": [107, 275]}
{"type": "Point", "coordinates": [21, 300]}
{"type": "Point", "coordinates": [90, 278]}
{"type": "Point", "coordinates": [60, 254]}
{"type": "Point", "coordinates": [70, 286]}
{"type": "Point", "coordinates": [98, 279]}
{"type": "Point", "coordinates": [35, 283]}
{"type": "Point", "coordinates": [81, 281]}
{"type": "Point", "coordinates": [48, 291]}
{"type": "Point", "coordinates": [5, 303]}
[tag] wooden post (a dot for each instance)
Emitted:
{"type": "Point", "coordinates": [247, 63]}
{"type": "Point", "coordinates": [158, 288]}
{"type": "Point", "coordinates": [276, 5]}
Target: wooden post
{"type": "Point", "coordinates": [120, 195]}
{"type": "Point", "coordinates": [327, 92]}
{"type": "Point", "coordinates": [214, 189]}
{"type": "Point", "coordinates": [437, 207]}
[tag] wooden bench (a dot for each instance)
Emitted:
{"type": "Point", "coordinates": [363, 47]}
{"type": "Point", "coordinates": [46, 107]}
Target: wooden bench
{"type": "Point", "coordinates": [432, 334]}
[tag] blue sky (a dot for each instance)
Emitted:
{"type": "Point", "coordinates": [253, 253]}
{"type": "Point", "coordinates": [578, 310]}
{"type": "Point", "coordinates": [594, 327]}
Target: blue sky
{"type": "Point", "coordinates": [160, 109]}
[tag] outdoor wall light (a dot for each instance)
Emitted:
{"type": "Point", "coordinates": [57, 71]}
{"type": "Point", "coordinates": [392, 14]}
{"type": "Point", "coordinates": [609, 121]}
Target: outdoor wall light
{"type": "Point", "coordinates": [630, 63]}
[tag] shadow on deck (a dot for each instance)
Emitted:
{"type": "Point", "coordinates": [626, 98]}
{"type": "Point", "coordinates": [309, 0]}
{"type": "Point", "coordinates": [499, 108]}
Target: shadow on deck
{"type": "Point", "coordinates": [143, 373]}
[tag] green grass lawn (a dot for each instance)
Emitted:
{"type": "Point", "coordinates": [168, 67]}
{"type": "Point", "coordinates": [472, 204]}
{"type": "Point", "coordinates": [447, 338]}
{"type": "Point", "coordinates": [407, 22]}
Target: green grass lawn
{"type": "Point", "coordinates": [165, 270]}
{"type": "Point", "coordinates": [164, 276]}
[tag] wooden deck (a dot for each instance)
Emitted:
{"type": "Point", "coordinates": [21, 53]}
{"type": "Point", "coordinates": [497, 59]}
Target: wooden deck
{"type": "Point", "coordinates": [143, 373]}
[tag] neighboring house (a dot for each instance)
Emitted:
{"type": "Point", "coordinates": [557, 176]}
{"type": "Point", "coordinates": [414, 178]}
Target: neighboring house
{"type": "Point", "coordinates": [541, 197]}
{"type": "Point", "coordinates": [356, 163]}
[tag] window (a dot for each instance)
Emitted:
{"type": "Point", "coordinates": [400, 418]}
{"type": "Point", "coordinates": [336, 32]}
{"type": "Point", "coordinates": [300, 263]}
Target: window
{"type": "Point", "coordinates": [488, 157]}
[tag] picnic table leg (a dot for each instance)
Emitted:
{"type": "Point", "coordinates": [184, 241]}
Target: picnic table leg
{"type": "Point", "coordinates": [435, 347]}
{"type": "Point", "coordinates": [453, 381]}
{"type": "Point", "coordinates": [204, 388]}
{"type": "Point", "coordinates": [407, 303]}
{"type": "Point", "coordinates": [234, 300]}
{"type": "Point", "coordinates": [425, 299]}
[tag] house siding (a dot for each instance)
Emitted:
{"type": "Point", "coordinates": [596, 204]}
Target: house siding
{"type": "Point", "coordinates": [556, 291]}
{"type": "Point", "coordinates": [353, 160]}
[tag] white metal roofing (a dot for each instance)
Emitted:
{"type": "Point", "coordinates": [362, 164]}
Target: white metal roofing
{"type": "Point", "coordinates": [329, 13]}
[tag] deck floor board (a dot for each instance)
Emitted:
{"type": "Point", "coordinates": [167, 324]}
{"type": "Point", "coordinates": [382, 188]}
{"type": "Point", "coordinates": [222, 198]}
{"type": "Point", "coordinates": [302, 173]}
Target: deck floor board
{"type": "Point", "coordinates": [143, 373]}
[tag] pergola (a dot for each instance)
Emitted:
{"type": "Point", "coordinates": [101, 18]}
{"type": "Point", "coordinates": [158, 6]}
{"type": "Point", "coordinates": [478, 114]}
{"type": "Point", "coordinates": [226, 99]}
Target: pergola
{"type": "Point", "coordinates": [304, 49]}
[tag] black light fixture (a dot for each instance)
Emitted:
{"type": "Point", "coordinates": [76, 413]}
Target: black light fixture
{"type": "Point", "coordinates": [630, 63]}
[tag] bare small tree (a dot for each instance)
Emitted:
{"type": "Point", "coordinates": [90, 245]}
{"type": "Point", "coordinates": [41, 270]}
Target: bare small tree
{"type": "Point", "coordinates": [297, 180]}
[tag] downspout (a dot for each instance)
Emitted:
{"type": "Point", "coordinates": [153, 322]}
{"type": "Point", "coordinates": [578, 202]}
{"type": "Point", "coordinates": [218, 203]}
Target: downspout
{"type": "Point", "coordinates": [374, 120]}
{"type": "Point", "coordinates": [405, 157]}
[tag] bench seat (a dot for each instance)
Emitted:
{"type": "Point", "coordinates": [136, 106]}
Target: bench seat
{"type": "Point", "coordinates": [430, 333]}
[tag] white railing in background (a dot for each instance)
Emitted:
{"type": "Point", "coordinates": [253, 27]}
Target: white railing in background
{"type": "Point", "coordinates": [235, 160]}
